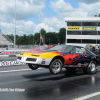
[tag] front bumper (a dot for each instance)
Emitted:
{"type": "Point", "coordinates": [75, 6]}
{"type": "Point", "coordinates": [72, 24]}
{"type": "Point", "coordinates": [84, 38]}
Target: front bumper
{"type": "Point", "coordinates": [34, 60]}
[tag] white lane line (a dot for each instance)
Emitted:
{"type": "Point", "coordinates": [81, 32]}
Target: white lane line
{"type": "Point", "coordinates": [88, 96]}
{"type": "Point", "coordinates": [16, 70]}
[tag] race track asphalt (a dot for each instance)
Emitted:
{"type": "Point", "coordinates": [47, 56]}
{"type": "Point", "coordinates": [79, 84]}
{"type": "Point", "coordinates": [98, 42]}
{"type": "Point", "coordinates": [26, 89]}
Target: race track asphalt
{"type": "Point", "coordinates": [21, 83]}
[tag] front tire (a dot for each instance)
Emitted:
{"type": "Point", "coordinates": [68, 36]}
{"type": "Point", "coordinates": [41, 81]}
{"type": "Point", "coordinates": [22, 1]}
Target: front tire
{"type": "Point", "coordinates": [33, 67]}
{"type": "Point", "coordinates": [56, 66]}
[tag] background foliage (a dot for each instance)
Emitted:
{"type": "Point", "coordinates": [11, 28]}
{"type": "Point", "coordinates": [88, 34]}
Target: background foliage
{"type": "Point", "coordinates": [48, 37]}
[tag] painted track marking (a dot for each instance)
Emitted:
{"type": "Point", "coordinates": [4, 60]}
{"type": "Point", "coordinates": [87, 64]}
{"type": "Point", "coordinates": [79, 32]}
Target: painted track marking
{"type": "Point", "coordinates": [16, 70]}
{"type": "Point", "coordinates": [88, 96]}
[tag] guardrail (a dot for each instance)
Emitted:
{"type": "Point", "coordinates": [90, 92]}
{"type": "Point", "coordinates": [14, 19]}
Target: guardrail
{"type": "Point", "coordinates": [10, 52]}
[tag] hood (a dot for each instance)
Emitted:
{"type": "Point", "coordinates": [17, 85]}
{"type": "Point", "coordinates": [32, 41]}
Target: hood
{"type": "Point", "coordinates": [42, 54]}
{"type": "Point", "coordinates": [32, 50]}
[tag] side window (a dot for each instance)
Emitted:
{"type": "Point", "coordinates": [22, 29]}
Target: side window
{"type": "Point", "coordinates": [73, 50]}
{"type": "Point", "coordinates": [67, 48]}
{"type": "Point", "coordinates": [48, 48]}
{"type": "Point", "coordinates": [79, 50]}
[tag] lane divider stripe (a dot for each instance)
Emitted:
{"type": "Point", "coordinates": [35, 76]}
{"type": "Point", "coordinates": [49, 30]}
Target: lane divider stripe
{"type": "Point", "coordinates": [17, 70]}
{"type": "Point", "coordinates": [14, 70]}
{"type": "Point", "coordinates": [88, 96]}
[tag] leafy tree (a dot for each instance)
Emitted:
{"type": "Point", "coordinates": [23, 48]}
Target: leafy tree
{"type": "Point", "coordinates": [97, 15]}
{"type": "Point", "coordinates": [51, 38]}
{"type": "Point", "coordinates": [11, 36]}
{"type": "Point", "coordinates": [18, 40]}
{"type": "Point", "coordinates": [62, 35]}
{"type": "Point", "coordinates": [37, 38]}
{"type": "Point", "coordinates": [43, 32]}
{"type": "Point", "coordinates": [30, 39]}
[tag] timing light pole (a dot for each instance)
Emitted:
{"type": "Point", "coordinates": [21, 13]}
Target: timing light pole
{"type": "Point", "coordinates": [15, 26]}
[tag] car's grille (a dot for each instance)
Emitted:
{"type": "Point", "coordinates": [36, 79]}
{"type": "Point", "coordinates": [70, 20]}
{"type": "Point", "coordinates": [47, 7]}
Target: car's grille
{"type": "Point", "coordinates": [19, 58]}
{"type": "Point", "coordinates": [31, 59]}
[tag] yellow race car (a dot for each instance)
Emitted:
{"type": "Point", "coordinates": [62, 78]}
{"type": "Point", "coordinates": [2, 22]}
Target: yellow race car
{"type": "Point", "coordinates": [67, 56]}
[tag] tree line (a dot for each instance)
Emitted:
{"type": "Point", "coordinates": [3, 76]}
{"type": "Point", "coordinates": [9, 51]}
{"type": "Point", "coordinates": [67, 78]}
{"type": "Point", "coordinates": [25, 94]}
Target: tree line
{"type": "Point", "coordinates": [48, 38]}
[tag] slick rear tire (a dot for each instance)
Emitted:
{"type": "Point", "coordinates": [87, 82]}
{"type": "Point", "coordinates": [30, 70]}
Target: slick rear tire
{"type": "Point", "coordinates": [33, 67]}
{"type": "Point", "coordinates": [55, 66]}
{"type": "Point", "coordinates": [91, 69]}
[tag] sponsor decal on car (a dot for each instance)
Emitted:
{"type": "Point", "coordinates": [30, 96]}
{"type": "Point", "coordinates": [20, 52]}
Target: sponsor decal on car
{"type": "Point", "coordinates": [43, 62]}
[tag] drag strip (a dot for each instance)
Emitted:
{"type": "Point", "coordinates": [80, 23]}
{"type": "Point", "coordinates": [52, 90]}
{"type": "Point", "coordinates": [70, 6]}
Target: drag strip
{"type": "Point", "coordinates": [42, 85]}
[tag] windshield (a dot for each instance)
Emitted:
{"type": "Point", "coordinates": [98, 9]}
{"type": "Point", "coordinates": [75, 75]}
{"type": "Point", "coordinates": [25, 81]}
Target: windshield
{"type": "Point", "coordinates": [65, 48]}
{"type": "Point", "coordinates": [42, 48]}
{"type": "Point", "coordinates": [90, 52]}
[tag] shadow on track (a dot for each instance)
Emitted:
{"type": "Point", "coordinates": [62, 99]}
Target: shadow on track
{"type": "Point", "coordinates": [52, 87]}
{"type": "Point", "coordinates": [45, 75]}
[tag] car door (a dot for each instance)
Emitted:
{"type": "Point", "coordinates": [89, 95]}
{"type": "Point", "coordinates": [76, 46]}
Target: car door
{"type": "Point", "coordinates": [77, 56]}
{"type": "Point", "coordinates": [81, 56]}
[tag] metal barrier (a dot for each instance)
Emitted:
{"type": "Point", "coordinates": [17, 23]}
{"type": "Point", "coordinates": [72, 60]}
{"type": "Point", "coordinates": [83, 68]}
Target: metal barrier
{"type": "Point", "coordinates": [10, 52]}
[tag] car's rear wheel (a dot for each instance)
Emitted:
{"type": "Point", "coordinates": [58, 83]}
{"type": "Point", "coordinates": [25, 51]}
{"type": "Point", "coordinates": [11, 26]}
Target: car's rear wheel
{"type": "Point", "coordinates": [56, 66]}
{"type": "Point", "coordinates": [33, 67]}
{"type": "Point", "coordinates": [91, 69]}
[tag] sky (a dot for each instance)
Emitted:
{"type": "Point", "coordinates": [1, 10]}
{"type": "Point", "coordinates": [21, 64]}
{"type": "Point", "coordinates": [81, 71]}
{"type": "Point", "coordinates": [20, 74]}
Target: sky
{"type": "Point", "coordinates": [33, 15]}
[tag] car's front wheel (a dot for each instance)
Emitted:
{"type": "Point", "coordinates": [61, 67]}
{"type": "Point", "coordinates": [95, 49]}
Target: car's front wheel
{"type": "Point", "coordinates": [33, 67]}
{"type": "Point", "coordinates": [56, 66]}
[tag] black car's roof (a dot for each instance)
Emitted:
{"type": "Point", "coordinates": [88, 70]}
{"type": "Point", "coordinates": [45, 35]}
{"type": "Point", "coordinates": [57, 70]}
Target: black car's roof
{"type": "Point", "coordinates": [72, 45]}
